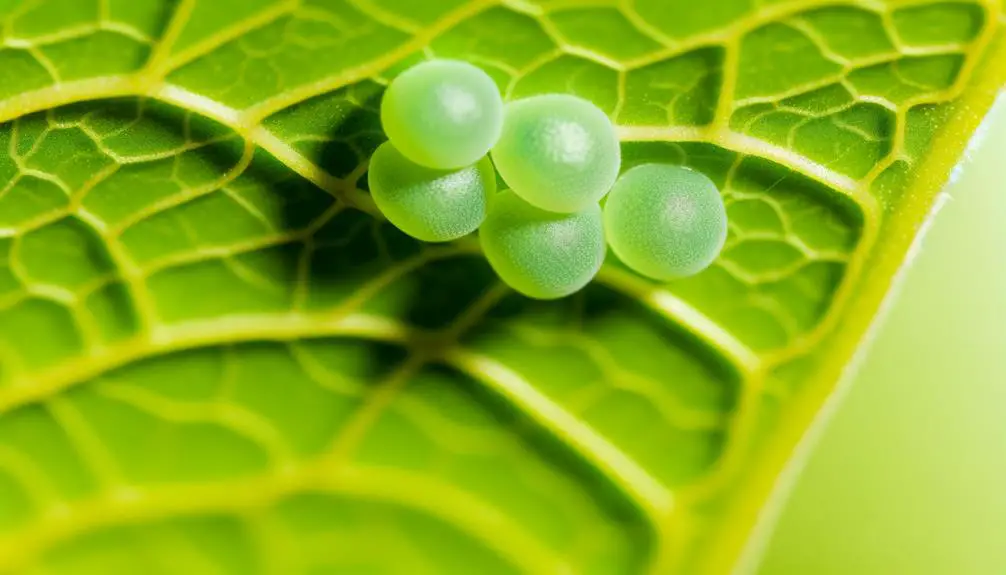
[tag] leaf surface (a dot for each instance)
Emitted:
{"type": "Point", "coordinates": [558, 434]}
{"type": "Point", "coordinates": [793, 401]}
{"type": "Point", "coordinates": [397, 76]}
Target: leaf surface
{"type": "Point", "coordinates": [214, 358]}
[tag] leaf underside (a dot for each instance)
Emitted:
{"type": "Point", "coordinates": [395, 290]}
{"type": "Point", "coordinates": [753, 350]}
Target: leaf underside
{"type": "Point", "coordinates": [214, 358]}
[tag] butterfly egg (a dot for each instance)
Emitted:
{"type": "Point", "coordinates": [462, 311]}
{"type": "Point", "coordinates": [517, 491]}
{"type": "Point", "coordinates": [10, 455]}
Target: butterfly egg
{"type": "Point", "coordinates": [542, 254]}
{"type": "Point", "coordinates": [428, 204]}
{"type": "Point", "coordinates": [665, 221]}
{"type": "Point", "coordinates": [557, 152]}
{"type": "Point", "coordinates": [442, 114]}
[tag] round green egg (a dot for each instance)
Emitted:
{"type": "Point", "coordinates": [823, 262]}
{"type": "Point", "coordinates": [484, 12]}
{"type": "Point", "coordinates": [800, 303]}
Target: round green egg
{"type": "Point", "coordinates": [428, 204]}
{"type": "Point", "coordinates": [557, 152]}
{"type": "Point", "coordinates": [542, 254]}
{"type": "Point", "coordinates": [665, 221]}
{"type": "Point", "coordinates": [443, 114]}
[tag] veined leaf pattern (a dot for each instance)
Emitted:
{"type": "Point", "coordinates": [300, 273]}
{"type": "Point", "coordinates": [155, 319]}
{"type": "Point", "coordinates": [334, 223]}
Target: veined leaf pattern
{"type": "Point", "coordinates": [216, 358]}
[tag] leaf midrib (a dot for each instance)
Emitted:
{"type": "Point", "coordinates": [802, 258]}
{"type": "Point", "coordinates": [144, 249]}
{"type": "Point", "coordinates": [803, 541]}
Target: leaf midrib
{"type": "Point", "coordinates": [739, 546]}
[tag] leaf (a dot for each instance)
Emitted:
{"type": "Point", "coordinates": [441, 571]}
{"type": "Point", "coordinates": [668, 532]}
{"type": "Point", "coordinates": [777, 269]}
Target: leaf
{"type": "Point", "coordinates": [215, 359]}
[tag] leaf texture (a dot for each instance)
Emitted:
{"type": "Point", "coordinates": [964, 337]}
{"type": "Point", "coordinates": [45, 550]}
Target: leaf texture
{"type": "Point", "coordinates": [216, 358]}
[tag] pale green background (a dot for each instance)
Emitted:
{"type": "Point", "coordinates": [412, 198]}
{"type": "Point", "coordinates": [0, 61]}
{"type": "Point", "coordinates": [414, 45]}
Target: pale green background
{"type": "Point", "coordinates": [910, 476]}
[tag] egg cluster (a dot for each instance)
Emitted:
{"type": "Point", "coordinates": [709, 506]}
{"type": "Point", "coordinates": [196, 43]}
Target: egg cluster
{"type": "Point", "coordinates": [547, 235]}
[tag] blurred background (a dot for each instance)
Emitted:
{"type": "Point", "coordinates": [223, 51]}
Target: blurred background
{"type": "Point", "coordinates": [910, 475]}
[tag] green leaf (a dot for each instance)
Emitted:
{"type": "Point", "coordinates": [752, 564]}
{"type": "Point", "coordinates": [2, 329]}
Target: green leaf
{"type": "Point", "coordinates": [214, 358]}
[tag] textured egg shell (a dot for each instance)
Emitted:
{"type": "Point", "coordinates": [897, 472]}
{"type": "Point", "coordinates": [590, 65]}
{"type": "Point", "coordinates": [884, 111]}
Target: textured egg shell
{"type": "Point", "coordinates": [542, 254]}
{"type": "Point", "coordinates": [442, 114]}
{"type": "Point", "coordinates": [428, 204]}
{"type": "Point", "coordinates": [558, 152]}
{"type": "Point", "coordinates": [665, 221]}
